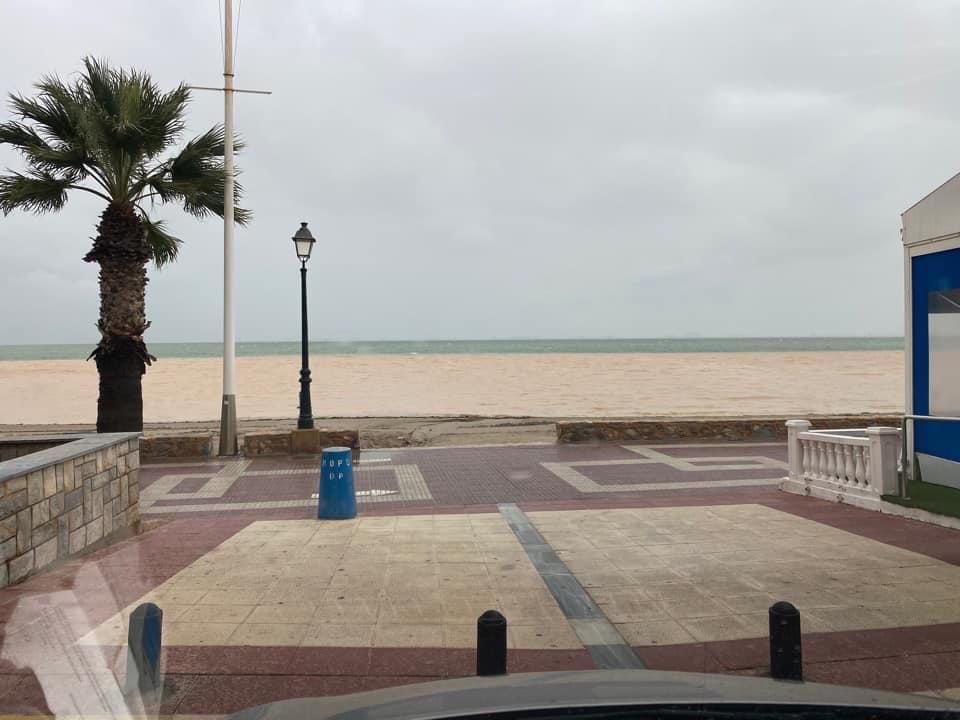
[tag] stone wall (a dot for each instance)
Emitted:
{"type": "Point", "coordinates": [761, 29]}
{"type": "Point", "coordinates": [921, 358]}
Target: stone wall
{"type": "Point", "coordinates": [299, 442]}
{"type": "Point", "coordinates": [732, 429]}
{"type": "Point", "coordinates": [17, 448]}
{"type": "Point", "coordinates": [66, 498]}
{"type": "Point", "coordinates": [176, 446]}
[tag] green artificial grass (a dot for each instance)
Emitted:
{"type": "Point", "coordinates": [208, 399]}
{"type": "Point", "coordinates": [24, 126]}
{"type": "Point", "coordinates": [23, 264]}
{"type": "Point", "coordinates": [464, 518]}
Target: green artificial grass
{"type": "Point", "coordinates": [933, 498]}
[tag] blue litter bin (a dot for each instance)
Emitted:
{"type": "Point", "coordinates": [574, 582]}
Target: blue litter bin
{"type": "Point", "coordinates": [337, 499]}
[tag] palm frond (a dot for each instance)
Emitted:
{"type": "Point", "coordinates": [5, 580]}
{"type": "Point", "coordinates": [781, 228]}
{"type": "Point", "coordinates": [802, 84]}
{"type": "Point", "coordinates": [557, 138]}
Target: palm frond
{"type": "Point", "coordinates": [40, 154]}
{"type": "Point", "coordinates": [38, 191]}
{"type": "Point", "coordinates": [197, 178]}
{"type": "Point", "coordinates": [134, 117]}
{"type": "Point", "coordinates": [53, 111]}
{"type": "Point", "coordinates": [164, 247]}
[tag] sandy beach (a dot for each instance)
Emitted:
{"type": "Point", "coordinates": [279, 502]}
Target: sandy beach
{"type": "Point", "coordinates": [541, 385]}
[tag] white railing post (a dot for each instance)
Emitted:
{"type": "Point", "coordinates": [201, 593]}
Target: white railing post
{"type": "Point", "coordinates": [884, 455]}
{"type": "Point", "coordinates": [794, 451]}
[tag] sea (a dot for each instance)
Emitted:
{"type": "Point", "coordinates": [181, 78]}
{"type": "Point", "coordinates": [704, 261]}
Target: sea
{"type": "Point", "coordinates": [479, 347]}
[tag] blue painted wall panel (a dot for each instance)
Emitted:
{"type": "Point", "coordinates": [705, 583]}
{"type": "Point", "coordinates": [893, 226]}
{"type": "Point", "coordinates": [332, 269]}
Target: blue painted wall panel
{"type": "Point", "coordinates": [936, 271]}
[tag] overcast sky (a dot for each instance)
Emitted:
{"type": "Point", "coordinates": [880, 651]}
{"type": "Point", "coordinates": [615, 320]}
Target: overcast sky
{"type": "Point", "coordinates": [518, 168]}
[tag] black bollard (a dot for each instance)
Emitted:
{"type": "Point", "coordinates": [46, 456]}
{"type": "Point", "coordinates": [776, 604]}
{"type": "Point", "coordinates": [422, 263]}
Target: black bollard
{"type": "Point", "coordinates": [143, 651]}
{"type": "Point", "coordinates": [491, 644]}
{"type": "Point", "coordinates": [786, 656]}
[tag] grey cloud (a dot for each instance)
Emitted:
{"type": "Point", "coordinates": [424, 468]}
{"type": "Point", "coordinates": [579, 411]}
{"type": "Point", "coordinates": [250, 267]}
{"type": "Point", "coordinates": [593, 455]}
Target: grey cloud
{"type": "Point", "coordinates": [525, 168]}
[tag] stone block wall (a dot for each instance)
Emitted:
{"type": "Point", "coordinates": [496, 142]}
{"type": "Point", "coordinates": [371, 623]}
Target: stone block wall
{"type": "Point", "coordinates": [162, 447]}
{"type": "Point", "coordinates": [65, 499]}
{"type": "Point", "coordinates": [11, 450]}
{"type": "Point", "coordinates": [299, 442]}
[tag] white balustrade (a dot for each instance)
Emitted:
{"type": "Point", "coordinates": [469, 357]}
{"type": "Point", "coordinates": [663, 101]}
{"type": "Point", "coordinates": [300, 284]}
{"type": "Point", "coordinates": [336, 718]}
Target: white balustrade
{"type": "Point", "coordinates": [857, 466]}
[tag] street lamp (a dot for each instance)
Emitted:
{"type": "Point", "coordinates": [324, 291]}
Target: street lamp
{"type": "Point", "coordinates": [303, 240]}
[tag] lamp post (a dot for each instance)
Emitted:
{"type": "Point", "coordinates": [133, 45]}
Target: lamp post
{"type": "Point", "coordinates": [303, 240]}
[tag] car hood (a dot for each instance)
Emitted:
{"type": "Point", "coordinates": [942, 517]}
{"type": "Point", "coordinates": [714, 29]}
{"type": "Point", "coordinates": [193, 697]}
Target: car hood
{"type": "Point", "coordinates": [581, 689]}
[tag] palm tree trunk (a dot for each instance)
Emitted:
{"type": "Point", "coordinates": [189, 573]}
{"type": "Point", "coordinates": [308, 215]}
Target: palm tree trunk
{"type": "Point", "coordinates": [121, 355]}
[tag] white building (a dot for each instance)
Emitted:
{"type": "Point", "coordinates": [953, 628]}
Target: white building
{"type": "Point", "coordinates": [931, 254]}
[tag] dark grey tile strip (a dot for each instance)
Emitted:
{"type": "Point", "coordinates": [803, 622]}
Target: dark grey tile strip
{"type": "Point", "coordinates": [598, 635]}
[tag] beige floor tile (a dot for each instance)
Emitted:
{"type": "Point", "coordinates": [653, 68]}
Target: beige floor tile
{"type": "Point", "coordinates": [368, 581]}
{"type": "Point", "coordinates": [330, 635]}
{"type": "Point", "coordinates": [214, 613]}
{"type": "Point", "coordinates": [282, 614]}
{"type": "Point", "coordinates": [460, 636]}
{"type": "Point", "coordinates": [516, 581]}
{"type": "Point", "coordinates": [162, 596]}
{"type": "Point", "coordinates": [666, 591]}
{"type": "Point", "coordinates": [453, 585]}
{"type": "Point", "coordinates": [539, 637]}
{"type": "Point", "coordinates": [603, 578]}
{"type": "Point", "coordinates": [364, 610]}
{"type": "Point", "coordinates": [197, 633]}
{"type": "Point", "coordinates": [694, 605]}
{"type": "Point", "coordinates": [419, 556]}
{"type": "Point", "coordinates": [852, 618]}
{"type": "Point", "coordinates": [656, 632]}
{"type": "Point", "coordinates": [654, 576]}
{"type": "Point", "coordinates": [416, 613]}
{"type": "Point", "coordinates": [419, 636]}
{"type": "Point", "coordinates": [630, 608]}
{"type": "Point", "coordinates": [639, 562]}
{"type": "Point", "coordinates": [727, 627]}
{"type": "Point", "coordinates": [933, 590]}
{"type": "Point", "coordinates": [269, 634]}
{"type": "Point", "coordinates": [810, 622]}
{"type": "Point", "coordinates": [921, 613]}
{"type": "Point", "coordinates": [459, 608]}
{"type": "Point", "coordinates": [231, 597]}
{"type": "Point", "coordinates": [752, 603]}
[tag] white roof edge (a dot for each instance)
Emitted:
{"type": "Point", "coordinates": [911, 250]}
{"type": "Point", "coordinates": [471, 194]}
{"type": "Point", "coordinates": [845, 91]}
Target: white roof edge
{"type": "Point", "coordinates": [938, 187]}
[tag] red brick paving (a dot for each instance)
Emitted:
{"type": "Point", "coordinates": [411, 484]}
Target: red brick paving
{"type": "Point", "coordinates": [902, 659]}
{"type": "Point", "coordinates": [474, 476]}
{"type": "Point", "coordinates": [657, 473]}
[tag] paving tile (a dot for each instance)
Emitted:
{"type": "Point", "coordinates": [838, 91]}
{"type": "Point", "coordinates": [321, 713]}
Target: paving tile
{"type": "Point", "coordinates": [541, 637]}
{"type": "Point", "coordinates": [727, 627]}
{"type": "Point", "coordinates": [628, 606]}
{"type": "Point", "coordinates": [271, 634]}
{"type": "Point", "coordinates": [460, 636]}
{"type": "Point", "coordinates": [418, 636]}
{"type": "Point", "coordinates": [280, 614]}
{"type": "Point", "coordinates": [214, 613]}
{"type": "Point", "coordinates": [655, 632]}
{"type": "Point", "coordinates": [197, 633]}
{"type": "Point", "coordinates": [230, 597]}
{"type": "Point", "coordinates": [329, 634]}
{"type": "Point", "coordinates": [751, 603]}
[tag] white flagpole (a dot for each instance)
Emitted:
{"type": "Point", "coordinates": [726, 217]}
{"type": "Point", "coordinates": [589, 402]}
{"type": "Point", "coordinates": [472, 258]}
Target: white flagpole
{"type": "Point", "coordinates": [228, 413]}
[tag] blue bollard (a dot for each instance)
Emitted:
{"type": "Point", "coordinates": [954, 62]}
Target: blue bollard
{"type": "Point", "coordinates": [337, 499]}
{"type": "Point", "coordinates": [143, 649]}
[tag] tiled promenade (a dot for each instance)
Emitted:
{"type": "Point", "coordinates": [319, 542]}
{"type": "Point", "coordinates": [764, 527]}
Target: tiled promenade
{"type": "Point", "coordinates": [665, 556]}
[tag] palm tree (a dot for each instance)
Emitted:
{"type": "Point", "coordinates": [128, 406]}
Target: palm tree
{"type": "Point", "coordinates": [103, 134]}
